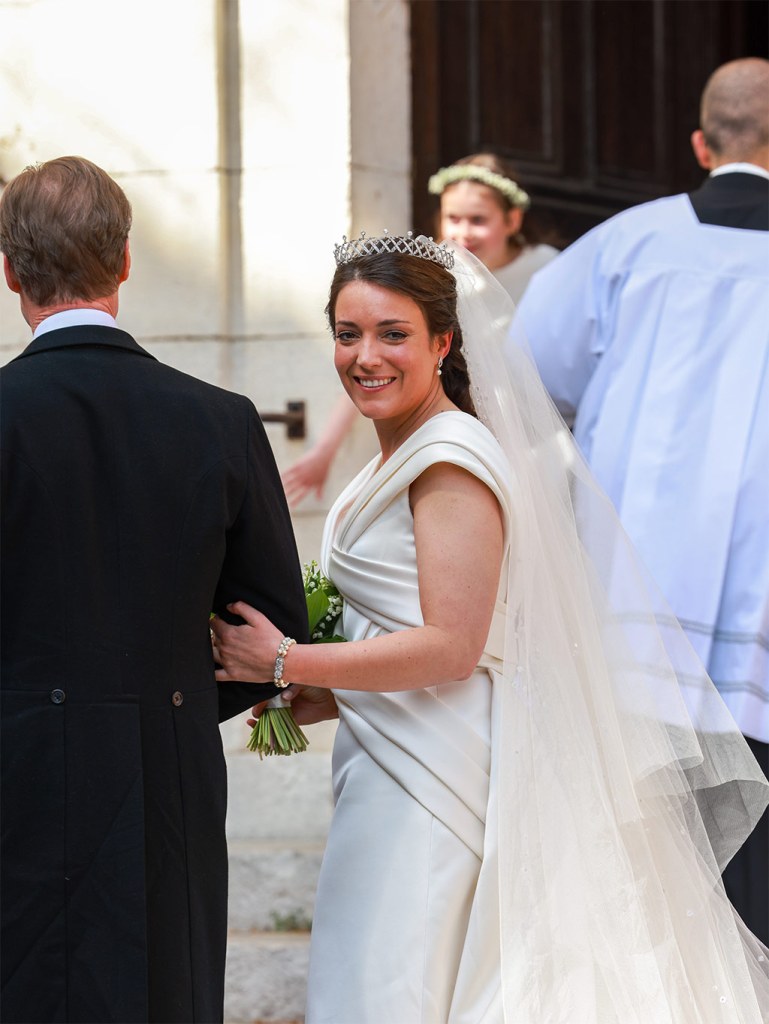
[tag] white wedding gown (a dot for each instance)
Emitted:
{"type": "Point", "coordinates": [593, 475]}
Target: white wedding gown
{"type": "Point", "coordinates": [407, 926]}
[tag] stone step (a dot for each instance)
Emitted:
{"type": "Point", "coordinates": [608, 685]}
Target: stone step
{"type": "Point", "coordinates": [279, 810]}
{"type": "Point", "coordinates": [272, 884]}
{"type": "Point", "coordinates": [266, 980]}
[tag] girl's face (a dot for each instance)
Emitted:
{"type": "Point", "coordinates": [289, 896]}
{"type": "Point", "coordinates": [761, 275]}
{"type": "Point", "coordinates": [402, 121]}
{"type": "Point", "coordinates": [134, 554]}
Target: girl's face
{"type": "Point", "coordinates": [472, 216]}
{"type": "Point", "coordinates": [384, 353]}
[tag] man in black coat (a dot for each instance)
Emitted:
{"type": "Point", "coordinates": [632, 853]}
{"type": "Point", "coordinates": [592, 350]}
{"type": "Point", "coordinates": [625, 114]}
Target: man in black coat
{"type": "Point", "coordinates": [135, 500]}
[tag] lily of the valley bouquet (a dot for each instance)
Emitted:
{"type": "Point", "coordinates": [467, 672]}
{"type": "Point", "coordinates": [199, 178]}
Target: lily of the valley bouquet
{"type": "Point", "coordinates": [276, 731]}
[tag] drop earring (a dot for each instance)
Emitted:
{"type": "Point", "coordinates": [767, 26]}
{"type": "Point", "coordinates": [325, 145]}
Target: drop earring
{"type": "Point", "coordinates": [440, 364]}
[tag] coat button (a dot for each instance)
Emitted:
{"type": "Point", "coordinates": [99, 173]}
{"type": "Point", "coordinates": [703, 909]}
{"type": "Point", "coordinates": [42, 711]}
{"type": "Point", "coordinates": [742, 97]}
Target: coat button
{"type": "Point", "coordinates": [177, 698]}
{"type": "Point", "coordinates": [58, 696]}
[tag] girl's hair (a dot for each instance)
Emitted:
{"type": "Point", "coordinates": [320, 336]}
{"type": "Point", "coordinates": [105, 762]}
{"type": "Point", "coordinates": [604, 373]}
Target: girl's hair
{"type": "Point", "coordinates": [435, 292]}
{"type": "Point", "coordinates": [535, 229]}
{"type": "Point", "coordinates": [498, 166]}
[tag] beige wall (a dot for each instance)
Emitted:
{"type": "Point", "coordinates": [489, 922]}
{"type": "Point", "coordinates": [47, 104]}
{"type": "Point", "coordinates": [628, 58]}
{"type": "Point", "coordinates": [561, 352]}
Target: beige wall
{"type": "Point", "coordinates": [249, 137]}
{"type": "Point", "coordinates": [117, 97]}
{"type": "Point", "coordinates": [378, 197]}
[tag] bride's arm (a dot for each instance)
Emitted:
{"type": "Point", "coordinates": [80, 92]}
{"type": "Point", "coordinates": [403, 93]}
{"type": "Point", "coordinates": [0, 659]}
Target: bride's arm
{"type": "Point", "coordinates": [459, 542]}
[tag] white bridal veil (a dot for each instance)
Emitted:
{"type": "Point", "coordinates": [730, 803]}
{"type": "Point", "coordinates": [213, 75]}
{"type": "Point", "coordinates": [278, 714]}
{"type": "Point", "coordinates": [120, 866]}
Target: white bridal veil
{"type": "Point", "coordinates": [623, 786]}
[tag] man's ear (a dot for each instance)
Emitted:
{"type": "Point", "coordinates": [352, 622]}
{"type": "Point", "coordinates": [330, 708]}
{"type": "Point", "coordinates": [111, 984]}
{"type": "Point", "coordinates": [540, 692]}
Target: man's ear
{"type": "Point", "coordinates": [702, 153]}
{"type": "Point", "coordinates": [10, 278]}
{"type": "Point", "coordinates": [123, 276]}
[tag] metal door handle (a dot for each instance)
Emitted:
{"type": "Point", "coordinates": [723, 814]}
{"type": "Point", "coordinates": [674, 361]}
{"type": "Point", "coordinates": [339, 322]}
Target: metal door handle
{"type": "Point", "coordinates": [293, 417]}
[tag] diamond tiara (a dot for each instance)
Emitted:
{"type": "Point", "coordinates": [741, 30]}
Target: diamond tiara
{"type": "Point", "coordinates": [421, 246]}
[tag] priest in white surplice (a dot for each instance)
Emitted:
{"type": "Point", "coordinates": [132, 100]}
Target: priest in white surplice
{"type": "Point", "coordinates": [651, 333]}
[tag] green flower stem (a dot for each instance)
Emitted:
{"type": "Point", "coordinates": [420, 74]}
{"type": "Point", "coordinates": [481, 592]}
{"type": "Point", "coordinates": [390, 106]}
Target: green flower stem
{"type": "Point", "coordinates": [276, 732]}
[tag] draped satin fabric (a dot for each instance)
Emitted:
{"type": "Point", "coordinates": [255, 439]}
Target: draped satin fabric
{"type": "Point", "coordinates": [411, 773]}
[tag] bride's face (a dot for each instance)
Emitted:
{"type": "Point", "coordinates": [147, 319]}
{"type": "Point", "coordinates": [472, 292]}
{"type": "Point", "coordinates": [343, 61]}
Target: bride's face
{"type": "Point", "coordinates": [384, 353]}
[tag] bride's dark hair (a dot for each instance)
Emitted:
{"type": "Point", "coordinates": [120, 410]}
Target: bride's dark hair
{"type": "Point", "coordinates": [435, 292]}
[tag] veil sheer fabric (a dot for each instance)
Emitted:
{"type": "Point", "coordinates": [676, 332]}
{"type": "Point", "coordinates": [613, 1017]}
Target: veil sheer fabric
{"type": "Point", "coordinates": [623, 784]}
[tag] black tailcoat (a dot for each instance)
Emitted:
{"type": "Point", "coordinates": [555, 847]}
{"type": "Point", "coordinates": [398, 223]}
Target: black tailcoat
{"type": "Point", "coordinates": [135, 500]}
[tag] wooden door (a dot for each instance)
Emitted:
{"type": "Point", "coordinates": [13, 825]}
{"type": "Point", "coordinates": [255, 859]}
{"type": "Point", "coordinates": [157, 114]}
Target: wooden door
{"type": "Point", "coordinates": [593, 100]}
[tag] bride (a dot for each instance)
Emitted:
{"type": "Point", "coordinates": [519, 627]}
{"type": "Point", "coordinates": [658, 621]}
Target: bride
{"type": "Point", "coordinates": [536, 784]}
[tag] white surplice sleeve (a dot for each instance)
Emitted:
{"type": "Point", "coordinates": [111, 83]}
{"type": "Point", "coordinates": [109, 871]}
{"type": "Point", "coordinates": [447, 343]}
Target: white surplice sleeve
{"type": "Point", "coordinates": [565, 319]}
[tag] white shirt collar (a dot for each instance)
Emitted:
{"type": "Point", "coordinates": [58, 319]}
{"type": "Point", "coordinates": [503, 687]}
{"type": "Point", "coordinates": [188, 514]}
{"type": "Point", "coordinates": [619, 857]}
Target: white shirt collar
{"type": "Point", "coordinates": [74, 318]}
{"type": "Point", "coordinates": [742, 168]}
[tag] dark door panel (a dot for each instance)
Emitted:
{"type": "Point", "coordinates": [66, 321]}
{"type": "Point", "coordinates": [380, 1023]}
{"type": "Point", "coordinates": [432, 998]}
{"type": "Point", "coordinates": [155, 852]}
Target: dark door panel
{"type": "Point", "coordinates": [592, 100]}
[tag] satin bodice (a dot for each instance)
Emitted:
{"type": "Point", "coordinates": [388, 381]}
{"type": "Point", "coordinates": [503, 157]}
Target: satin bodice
{"type": "Point", "coordinates": [434, 740]}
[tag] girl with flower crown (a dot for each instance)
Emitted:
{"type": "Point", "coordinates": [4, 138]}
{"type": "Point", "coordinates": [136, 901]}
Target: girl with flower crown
{"type": "Point", "coordinates": [536, 784]}
{"type": "Point", "coordinates": [482, 208]}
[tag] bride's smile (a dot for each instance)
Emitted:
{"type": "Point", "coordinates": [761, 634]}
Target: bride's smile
{"type": "Point", "coordinates": [369, 383]}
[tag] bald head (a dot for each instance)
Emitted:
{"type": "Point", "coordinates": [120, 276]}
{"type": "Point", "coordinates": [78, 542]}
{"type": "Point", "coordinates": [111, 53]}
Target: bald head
{"type": "Point", "coordinates": [734, 112]}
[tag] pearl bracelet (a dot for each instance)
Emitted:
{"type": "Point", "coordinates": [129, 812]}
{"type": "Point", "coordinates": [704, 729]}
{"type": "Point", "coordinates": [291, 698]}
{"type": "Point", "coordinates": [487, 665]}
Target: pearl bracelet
{"type": "Point", "coordinates": [280, 662]}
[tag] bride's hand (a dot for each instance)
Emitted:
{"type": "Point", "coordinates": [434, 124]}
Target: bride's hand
{"type": "Point", "coordinates": [310, 704]}
{"type": "Point", "coordinates": [245, 653]}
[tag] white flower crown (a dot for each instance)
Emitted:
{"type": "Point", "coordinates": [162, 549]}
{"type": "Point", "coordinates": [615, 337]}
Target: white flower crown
{"type": "Point", "coordinates": [510, 189]}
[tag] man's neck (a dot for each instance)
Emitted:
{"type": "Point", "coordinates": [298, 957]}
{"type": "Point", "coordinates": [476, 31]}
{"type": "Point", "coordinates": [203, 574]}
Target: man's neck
{"type": "Point", "coordinates": [78, 317]}
{"type": "Point", "coordinates": [739, 167]}
{"type": "Point", "coordinates": [760, 160]}
{"type": "Point", "coordinates": [34, 314]}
